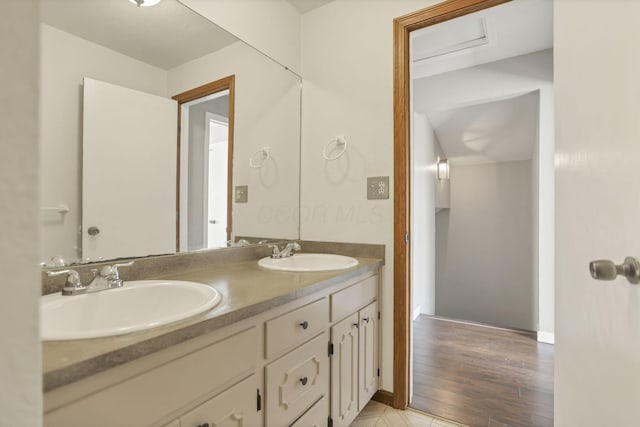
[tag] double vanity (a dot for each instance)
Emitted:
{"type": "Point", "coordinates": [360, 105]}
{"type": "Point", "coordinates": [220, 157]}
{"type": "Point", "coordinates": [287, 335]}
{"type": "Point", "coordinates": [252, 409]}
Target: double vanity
{"type": "Point", "coordinates": [280, 342]}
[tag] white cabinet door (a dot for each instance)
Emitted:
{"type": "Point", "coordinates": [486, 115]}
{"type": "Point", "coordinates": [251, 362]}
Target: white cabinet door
{"type": "Point", "coordinates": [236, 407]}
{"type": "Point", "coordinates": [367, 354]}
{"type": "Point", "coordinates": [344, 371]}
{"type": "Point", "coordinates": [295, 381]}
{"type": "Point", "coordinates": [128, 172]}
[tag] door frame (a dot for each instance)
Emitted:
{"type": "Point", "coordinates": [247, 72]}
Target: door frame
{"type": "Point", "coordinates": [402, 27]}
{"type": "Point", "coordinates": [225, 83]}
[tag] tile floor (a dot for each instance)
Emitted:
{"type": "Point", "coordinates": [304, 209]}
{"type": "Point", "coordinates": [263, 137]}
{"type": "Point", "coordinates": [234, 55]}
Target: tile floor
{"type": "Point", "coordinates": [378, 415]}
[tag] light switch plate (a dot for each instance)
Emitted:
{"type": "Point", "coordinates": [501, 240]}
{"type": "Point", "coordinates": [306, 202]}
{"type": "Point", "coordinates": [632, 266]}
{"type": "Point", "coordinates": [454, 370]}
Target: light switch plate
{"type": "Point", "coordinates": [242, 193]}
{"type": "Point", "coordinates": [377, 187]}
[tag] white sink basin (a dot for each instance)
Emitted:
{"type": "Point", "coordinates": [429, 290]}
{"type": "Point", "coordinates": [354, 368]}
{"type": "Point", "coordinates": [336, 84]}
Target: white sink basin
{"type": "Point", "coordinates": [309, 262]}
{"type": "Point", "coordinates": [138, 305]}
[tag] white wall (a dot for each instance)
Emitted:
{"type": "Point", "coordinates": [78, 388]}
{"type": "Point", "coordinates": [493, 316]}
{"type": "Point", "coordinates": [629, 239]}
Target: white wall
{"type": "Point", "coordinates": [347, 64]}
{"type": "Point", "coordinates": [272, 26]}
{"type": "Point", "coordinates": [64, 60]}
{"type": "Point", "coordinates": [484, 246]}
{"type": "Point", "coordinates": [266, 97]}
{"type": "Point", "coordinates": [503, 79]}
{"type": "Point", "coordinates": [20, 367]}
{"type": "Point", "coordinates": [423, 232]}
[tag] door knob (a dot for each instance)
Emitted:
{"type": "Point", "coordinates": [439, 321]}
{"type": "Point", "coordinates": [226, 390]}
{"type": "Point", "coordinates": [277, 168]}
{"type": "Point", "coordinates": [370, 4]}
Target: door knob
{"type": "Point", "coordinates": [93, 230]}
{"type": "Point", "coordinates": [608, 270]}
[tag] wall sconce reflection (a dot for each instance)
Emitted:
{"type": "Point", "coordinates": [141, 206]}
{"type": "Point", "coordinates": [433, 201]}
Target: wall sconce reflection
{"type": "Point", "coordinates": [443, 169]}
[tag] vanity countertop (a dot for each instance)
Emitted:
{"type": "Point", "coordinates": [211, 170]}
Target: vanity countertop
{"type": "Point", "coordinates": [246, 289]}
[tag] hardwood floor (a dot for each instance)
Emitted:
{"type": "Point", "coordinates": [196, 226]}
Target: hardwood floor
{"type": "Point", "coordinates": [481, 376]}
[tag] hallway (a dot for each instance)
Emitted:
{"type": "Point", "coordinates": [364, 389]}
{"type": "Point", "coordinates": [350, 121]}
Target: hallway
{"type": "Point", "coordinates": [481, 376]}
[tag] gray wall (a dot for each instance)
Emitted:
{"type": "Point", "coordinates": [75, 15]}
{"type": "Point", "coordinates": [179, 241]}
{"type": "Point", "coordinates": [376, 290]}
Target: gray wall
{"type": "Point", "coordinates": [484, 246]}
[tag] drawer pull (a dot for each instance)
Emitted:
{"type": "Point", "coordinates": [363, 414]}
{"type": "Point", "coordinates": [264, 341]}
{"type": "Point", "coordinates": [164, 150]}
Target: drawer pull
{"type": "Point", "coordinates": [304, 324]}
{"type": "Point", "coordinates": [365, 319]}
{"type": "Point", "coordinates": [304, 380]}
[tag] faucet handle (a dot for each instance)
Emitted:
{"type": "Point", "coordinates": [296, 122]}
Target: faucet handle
{"type": "Point", "coordinates": [73, 280]}
{"type": "Point", "coordinates": [112, 270]}
{"type": "Point", "coordinates": [290, 249]}
{"type": "Point", "coordinates": [275, 251]}
{"type": "Point", "coordinates": [124, 264]}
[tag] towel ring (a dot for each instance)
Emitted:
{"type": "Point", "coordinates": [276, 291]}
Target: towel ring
{"type": "Point", "coordinates": [336, 142]}
{"type": "Point", "coordinates": [256, 161]}
{"type": "Point", "coordinates": [62, 208]}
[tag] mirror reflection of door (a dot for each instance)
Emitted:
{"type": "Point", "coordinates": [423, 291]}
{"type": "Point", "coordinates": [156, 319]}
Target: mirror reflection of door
{"type": "Point", "coordinates": [126, 208]}
{"type": "Point", "coordinates": [217, 194]}
{"type": "Point", "coordinates": [205, 165]}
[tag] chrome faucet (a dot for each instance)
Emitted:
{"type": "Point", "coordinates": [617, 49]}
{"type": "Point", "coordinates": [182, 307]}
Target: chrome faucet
{"type": "Point", "coordinates": [107, 277]}
{"type": "Point", "coordinates": [286, 252]}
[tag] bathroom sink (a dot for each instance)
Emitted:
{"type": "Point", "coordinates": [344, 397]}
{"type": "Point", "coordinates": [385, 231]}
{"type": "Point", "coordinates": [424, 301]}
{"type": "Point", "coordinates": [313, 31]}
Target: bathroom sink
{"type": "Point", "coordinates": [309, 262]}
{"type": "Point", "coordinates": [138, 305]}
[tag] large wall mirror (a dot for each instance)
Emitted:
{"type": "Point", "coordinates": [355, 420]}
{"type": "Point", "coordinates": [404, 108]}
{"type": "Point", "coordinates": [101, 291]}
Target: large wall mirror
{"type": "Point", "coordinates": [160, 132]}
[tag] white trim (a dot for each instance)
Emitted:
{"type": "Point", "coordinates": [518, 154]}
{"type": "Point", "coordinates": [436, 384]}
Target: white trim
{"type": "Point", "coordinates": [207, 98]}
{"type": "Point", "coordinates": [416, 312]}
{"type": "Point", "coordinates": [546, 337]}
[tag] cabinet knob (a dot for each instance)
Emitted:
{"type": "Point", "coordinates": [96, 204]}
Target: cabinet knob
{"type": "Point", "coordinates": [304, 324]}
{"type": "Point", "coordinates": [203, 425]}
{"type": "Point", "coordinates": [366, 319]}
{"type": "Point", "coordinates": [304, 380]}
{"type": "Point", "coordinates": [356, 325]}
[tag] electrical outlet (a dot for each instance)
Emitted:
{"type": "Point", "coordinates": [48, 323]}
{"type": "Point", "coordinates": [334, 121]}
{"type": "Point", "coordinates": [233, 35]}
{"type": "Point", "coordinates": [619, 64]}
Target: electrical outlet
{"type": "Point", "coordinates": [378, 187]}
{"type": "Point", "coordinates": [242, 193]}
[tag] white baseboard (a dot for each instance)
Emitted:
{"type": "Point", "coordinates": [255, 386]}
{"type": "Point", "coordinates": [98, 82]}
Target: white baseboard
{"type": "Point", "coordinates": [416, 312]}
{"type": "Point", "coordinates": [546, 337]}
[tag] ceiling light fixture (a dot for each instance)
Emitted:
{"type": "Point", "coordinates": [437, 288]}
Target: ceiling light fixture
{"type": "Point", "coordinates": [443, 169]}
{"type": "Point", "coordinates": [145, 3]}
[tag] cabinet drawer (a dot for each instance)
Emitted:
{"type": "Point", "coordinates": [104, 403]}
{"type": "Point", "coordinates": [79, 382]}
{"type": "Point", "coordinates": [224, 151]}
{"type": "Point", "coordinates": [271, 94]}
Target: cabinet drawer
{"type": "Point", "coordinates": [316, 416]}
{"type": "Point", "coordinates": [352, 298]}
{"type": "Point", "coordinates": [295, 381]}
{"type": "Point", "coordinates": [148, 397]}
{"type": "Point", "coordinates": [293, 328]}
{"type": "Point", "coordinates": [234, 407]}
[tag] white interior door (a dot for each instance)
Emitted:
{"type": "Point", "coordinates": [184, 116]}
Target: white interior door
{"type": "Point", "coordinates": [128, 172]}
{"type": "Point", "coordinates": [597, 368]}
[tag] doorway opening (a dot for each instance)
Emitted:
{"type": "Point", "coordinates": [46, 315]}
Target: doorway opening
{"type": "Point", "coordinates": [473, 94]}
{"type": "Point", "coordinates": [205, 165]}
{"type": "Point", "coordinates": [217, 195]}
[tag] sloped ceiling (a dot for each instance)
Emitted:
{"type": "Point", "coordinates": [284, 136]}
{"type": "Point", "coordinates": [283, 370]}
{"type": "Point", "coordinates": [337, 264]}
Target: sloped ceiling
{"type": "Point", "coordinates": [497, 131]}
{"type": "Point", "coordinates": [501, 125]}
